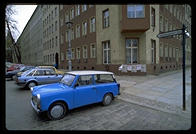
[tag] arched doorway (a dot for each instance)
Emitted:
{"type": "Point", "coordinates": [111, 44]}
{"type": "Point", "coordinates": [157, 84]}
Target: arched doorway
{"type": "Point", "coordinates": [57, 60]}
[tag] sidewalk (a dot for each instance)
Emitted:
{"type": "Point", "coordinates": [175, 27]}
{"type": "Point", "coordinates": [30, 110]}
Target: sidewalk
{"type": "Point", "coordinates": [162, 92]}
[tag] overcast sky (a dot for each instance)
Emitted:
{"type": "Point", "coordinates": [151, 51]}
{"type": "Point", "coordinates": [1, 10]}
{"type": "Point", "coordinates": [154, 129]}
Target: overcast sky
{"type": "Point", "coordinates": [23, 14]}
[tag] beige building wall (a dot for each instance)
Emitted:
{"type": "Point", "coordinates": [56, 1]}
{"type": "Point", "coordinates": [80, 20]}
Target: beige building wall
{"type": "Point", "coordinates": [152, 34]}
{"type": "Point", "coordinates": [111, 33]}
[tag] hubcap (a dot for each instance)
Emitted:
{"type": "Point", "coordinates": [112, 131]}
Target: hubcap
{"type": "Point", "coordinates": [108, 99]}
{"type": "Point", "coordinates": [57, 111]}
{"type": "Point", "coordinates": [32, 84]}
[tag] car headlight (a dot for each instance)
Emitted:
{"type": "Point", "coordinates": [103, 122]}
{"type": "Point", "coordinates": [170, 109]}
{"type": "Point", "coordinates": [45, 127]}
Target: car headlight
{"type": "Point", "coordinates": [31, 89]}
{"type": "Point", "coordinates": [38, 101]}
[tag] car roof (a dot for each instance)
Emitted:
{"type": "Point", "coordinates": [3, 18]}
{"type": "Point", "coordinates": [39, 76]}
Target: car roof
{"type": "Point", "coordinates": [87, 72]}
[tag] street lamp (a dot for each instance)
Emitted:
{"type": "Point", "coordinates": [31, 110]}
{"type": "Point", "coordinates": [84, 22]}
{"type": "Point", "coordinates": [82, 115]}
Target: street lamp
{"type": "Point", "coordinates": [69, 25]}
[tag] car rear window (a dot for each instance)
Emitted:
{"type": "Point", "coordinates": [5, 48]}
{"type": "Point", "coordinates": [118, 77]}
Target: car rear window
{"type": "Point", "coordinates": [104, 78]}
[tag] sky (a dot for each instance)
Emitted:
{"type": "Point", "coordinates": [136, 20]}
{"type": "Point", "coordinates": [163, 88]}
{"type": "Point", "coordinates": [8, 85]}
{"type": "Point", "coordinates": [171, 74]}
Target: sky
{"type": "Point", "coordinates": [22, 16]}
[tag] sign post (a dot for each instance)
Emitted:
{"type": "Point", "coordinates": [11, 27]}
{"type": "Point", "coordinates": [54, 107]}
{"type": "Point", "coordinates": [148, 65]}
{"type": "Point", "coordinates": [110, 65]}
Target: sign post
{"type": "Point", "coordinates": [184, 34]}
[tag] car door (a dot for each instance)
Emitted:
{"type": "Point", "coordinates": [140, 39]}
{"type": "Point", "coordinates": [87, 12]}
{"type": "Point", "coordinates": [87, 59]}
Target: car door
{"type": "Point", "coordinates": [40, 77]}
{"type": "Point", "coordinates": [52, 77]}
{"type": "Point", "coordinates": [85, 91]}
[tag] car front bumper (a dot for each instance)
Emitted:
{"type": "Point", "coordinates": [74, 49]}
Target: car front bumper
{"type": "Point", "coordinates": [35, 107]}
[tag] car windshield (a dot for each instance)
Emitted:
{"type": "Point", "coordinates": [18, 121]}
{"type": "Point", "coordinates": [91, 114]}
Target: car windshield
{"type": "Point", "coordinates": [22, 68]}
{"type": "Point", "coordinates": [26, 72]}
{"type": "Point", "coordinates": [68, 79]}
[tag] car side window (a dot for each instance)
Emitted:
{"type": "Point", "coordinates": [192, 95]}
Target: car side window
{"type": "Point", "coordinates": [49, 72]}
{"type": "Point", "coordinates": [104, 78]}
{"type": "Point", "coordinates": [30, 74]}
{"type": "Point", "coordinates": [39, 73]}
{"type": "Point", "coordinates": [84, 80]}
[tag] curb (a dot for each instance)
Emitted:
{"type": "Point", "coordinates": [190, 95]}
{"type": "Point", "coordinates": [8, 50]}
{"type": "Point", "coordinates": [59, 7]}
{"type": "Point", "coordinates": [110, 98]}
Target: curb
{"type": "Point", "coordinates": [157, 105]}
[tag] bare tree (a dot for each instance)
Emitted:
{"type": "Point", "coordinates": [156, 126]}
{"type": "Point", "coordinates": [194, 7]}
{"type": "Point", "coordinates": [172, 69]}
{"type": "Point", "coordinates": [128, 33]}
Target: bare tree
{"type": "Point", "coordinates": [11, 29]}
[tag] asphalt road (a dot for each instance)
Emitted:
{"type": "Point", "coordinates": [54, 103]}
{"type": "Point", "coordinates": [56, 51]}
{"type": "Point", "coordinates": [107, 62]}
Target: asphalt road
{"type": "Point", "coordinates": [120, 115]}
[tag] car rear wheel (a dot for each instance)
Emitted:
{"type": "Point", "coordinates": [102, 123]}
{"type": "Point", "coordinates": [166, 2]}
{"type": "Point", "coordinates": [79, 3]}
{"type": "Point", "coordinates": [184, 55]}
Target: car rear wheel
{"type": "Point", "coordinates": [107, 99]}
{"type": "Point", "coordinates": [31, 84]}
{"type": "Point", "coordinates": [57, 111]}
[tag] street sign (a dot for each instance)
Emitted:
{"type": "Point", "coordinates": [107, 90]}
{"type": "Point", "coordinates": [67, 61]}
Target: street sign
{"type": "Point", "coordinates": [170, 33]}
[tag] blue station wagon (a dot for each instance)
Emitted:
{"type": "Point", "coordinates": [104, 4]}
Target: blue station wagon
{"type": "Point", "coordinates": [37, 76]}
{"type": "Point", "coordinates": [76, 89]}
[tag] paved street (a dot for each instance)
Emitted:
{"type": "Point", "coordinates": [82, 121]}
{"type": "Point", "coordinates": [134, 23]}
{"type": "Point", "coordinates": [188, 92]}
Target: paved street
{"type": "Point", "coordinates": [123, 114]}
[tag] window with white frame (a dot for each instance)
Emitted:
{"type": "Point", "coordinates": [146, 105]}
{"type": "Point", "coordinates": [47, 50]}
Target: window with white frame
{"type": "Point", "coordinates": [92, 24]}
{"type": "Point", "coordinates": [135, 11]}
{"type": "Point", "coordinates": [106, 52]}
{"type": "Point", "coordinates": [77, 10]}
{"type": "Point", "coordinates": [131, 51]}
{"type": "Point", "coordinates": [84, 8]}
{"type": "Point", "coordinates": [78, 53]}
{"type": "Point", "coordinates": [72, 13]}
{"type": "Point", "coordinates": [85, 54]}
{"type": "Point", "coordinates": [106, 22]}
{"type": "Point", "coordinates": [93, 51]}
{"type": "Point", "coordinates": [84, 28]}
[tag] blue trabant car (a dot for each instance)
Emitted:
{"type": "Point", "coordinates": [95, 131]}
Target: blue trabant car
{"type": "Point", "coordinates": [76, 89]}
{"type": "Point", "coordinates": [37, 76]}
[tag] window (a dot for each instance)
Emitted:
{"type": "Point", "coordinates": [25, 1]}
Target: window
{"type": "Point", "coordinates": [50, 72]}
{"type": "Point", "coordinates": [66, 35]}
{"type": "Point", "coordinates": [85, 55]}
{"type": "Point", "coordinates": [84, 28]}
{"type": "Point", "coordinates": [106, 52]}
{"type": "Point", "coordinates": [77, 10]}
{"type": "Point", "coordinates": [72, 13]}
{"type": "Point", "coordinates": [55, 25]}
{"type": "Point", "coordinates": [161, 50]}
{"type": "Point", "coordinates": [166, 51]}
{"type": "Point", "coordinates": [78, 53]}
{"type": "Point", "coordinates": [72, 34]}
{"type": "Point", "coordinates": [84, 8]}
{"type": "Point", "coordinates": [67, 17]}
{"type": "Point", "coordinates": [131, 51]}
{"type": "Point", "coordinates": [56, 41]}
{"type": "Point", "coordinates": [103, 78]}
{"type": "Point", "coordinates": [106, 18]}
{"type": "Point", "coordinates": [135, 11]}
{"type": "Point", "coordinates": [153, 17]}
{"type": "Point", "coordinates": [166, 25]}
{"type": "Point", "coordinates": [92, 24]}
{"type": "Point", "coordinates": [67, 54]}
{"type": "Point", "coordinates": [77, 31]}
{"type": "Point", "coordinates": [62, 56]}
{"type": "Point", "coordinates": [177, 54]}
{"type": "Point", "coordinates": [153, 51]}
{"type": "Point", "coordinates": [39, 73]}
{"type": "Point", "coordinates": [93, 51]}
{"type": "Point", "coordinates": [55, 11]}
{"type": "Point", "coordinates": [84, 80]}
{"type": "Point", "coordinates": [72, 53]}
{"type": "Point", "coordinates": [170, 52]}
{"type": "Point", "coordinates": [161, 24]}
{"type": "Point", "coordinates": [61, 39]}
{"type": "Point", "coordinates": [174, 54]}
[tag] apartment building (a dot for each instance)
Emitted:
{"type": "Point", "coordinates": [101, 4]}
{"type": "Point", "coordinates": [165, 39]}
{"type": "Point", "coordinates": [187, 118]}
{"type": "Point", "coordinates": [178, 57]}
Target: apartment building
{"type": "Point", "coordinates": [50, 24]}
{"type": "Point", "coordinates": [104, 37]}
{"type": "Point", "coordinates": [30, 41]}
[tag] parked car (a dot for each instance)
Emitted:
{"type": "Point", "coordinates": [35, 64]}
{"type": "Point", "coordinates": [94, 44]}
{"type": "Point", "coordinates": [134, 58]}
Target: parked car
{"type": "Point", "coordinates": [51, 67]}
{"type": "Point", "coordinates": [23, 69]}
{"type": "Point", "coordinates": [37, 76]}
{"type": "Point", "coordinates": [14, 67]}
{"type": "Point", "coordinates": [76, 89]}
{"type": "Point", "coordinates": [12, 74]}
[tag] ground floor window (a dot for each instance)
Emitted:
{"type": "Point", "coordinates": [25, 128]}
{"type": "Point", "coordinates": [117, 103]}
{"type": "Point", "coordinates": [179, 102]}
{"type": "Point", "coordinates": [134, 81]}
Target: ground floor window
{"type": "Point", "coordinates": [153, 51]}
{"type": "Point", "coordinates": [106, 52]}
{"type": "Point", "coordinates": [131, 51]}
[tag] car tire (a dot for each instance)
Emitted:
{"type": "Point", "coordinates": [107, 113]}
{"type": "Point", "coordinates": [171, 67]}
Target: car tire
{"type": "Point", "coordinates": [57, 111]}
{"type": "Point", "coordinates": [31, 84]}
{"type": "Point", "coordinates": [107, 99]}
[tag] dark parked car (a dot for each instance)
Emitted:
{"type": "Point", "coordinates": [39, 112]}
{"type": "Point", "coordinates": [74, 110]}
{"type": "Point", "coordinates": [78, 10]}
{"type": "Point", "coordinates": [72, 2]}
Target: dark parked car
{"type": "Point", "coordinates": [11, 74]}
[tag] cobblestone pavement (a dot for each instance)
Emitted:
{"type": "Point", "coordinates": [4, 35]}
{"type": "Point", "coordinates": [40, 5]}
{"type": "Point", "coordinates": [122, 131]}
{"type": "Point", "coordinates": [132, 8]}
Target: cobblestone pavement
{"type": "Point", "coordinates": [120, 115]}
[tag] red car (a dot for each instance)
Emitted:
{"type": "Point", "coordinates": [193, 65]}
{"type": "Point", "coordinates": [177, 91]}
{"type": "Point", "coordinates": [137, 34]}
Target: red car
{"type": "Point", "coordinates": [14, 67]}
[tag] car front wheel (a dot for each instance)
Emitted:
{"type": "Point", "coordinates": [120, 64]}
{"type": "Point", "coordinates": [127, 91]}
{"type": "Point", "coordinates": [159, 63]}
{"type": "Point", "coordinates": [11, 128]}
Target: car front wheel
{"type": "Point", "coordinates": [31, 84]}
{"type": "Point", "coordinates": [57, 111]}
{"type": "Point", "coordinates": [107, 99]}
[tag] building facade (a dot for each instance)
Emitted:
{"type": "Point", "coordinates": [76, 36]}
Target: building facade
{"type": "Point", "coordinates": [30, 41]}
{"type": "Point", "coordinates": [50, 24]}
{"type": "Point", "coordinates": [104, 37]}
